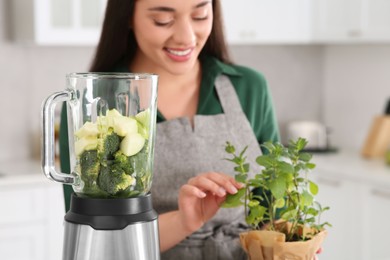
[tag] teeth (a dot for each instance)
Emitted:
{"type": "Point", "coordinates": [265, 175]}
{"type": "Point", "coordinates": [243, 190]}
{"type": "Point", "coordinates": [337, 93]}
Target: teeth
{"type": "Point", "coordinates": [179, 53]}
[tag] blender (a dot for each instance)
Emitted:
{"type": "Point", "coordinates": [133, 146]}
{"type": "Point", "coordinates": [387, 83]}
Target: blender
{"type": "Point", "coordinates": [111, 130]}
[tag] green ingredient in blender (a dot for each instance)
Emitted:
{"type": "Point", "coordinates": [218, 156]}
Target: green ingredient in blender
{"type": "Point", "coordinates": [113, 155]}
{"type": "Point", "coordinates": [113, 179]}
{"type": "Point", "coordinates": [124, 161]}
{"type": "Point", "coordinates": [108, 144]}
{"type": "Point", "coordinates": [143, 131]}
{"type": "Point", "coordinates": [125, 125]}
{"type": "Point", "coordinates": [144, 118]}
{"type": "Point", "coordinates": [85, 144]}
{"type": "Point", "coordinates": [132, 144]}
{"type": "Point", "coordinates": [88, 129]}
{"type": "Point", "coordinates": [90, 167]}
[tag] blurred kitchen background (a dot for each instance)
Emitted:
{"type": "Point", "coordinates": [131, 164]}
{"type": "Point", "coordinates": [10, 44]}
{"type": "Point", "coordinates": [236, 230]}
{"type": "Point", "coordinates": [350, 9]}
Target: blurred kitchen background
{"type": "Point", "coordinates": [326, 61]}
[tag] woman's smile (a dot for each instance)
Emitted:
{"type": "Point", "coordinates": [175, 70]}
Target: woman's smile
{"type": "Point", "coordinates": [179, 55]}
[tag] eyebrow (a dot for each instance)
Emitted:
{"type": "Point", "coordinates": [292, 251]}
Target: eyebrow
{"type": "Point", "coordinates": [170, 9]}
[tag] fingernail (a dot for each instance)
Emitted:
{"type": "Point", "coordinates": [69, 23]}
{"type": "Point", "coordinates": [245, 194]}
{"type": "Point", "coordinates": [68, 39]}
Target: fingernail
{"type": "Point", "coordinates": [233, 189]}
{"type": "Point", "coordinates": [202, 194]}
{"type": "Point", "coordinates": [221, 191]}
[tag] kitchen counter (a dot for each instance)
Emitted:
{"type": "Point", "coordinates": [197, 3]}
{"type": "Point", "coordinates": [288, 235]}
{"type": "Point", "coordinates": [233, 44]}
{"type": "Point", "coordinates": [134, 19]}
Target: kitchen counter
{"type": "Point", "coordinates": [352, 165]}
{"type": "Point", "coordinates": [22, 172]}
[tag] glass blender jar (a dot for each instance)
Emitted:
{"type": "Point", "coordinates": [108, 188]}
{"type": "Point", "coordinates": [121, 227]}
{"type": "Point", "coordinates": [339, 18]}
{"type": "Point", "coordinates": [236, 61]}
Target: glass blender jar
{"type": "Point", "coordinates": [111, 131]}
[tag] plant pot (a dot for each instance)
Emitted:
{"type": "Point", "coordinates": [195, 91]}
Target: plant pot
{"type": "Point", "coordinates": [272, 245]}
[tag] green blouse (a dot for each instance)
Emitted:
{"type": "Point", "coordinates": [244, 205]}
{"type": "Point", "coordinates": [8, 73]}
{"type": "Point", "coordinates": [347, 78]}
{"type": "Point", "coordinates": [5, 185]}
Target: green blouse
{"type": "Point", "coordinates": [252, 91]}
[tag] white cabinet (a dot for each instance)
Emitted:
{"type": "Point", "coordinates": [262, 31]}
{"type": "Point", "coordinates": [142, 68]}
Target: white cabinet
{"type": "Point", "coordinates": [306, 21]}
{"type": "Point", "coordinates": [343, 198]}
{"type": "Point", "coordinates": [267, 21]}
{"type": "Point", "coordinates": [57, 22]}
{"type": "Point", "coordinates": [351, 21]}
{"type": "Point", "coordinates": [376, 228]}
{"type": "Point", "coordinates": [357, 191]}
{"type": "Point", "coordinates": [31, 220]}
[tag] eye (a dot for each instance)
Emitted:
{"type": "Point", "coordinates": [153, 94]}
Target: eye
{"type": "Point", "coordinates": [164, 23]}
{"type": "Point", "coordinates": [201, 14]}
{"type": "Point", "coordinates": [200, 18]}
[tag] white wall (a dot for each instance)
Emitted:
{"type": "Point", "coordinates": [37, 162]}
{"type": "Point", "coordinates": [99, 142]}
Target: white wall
{"type": "Point", "coordinates": [356, 88]}
{"type": "Point", "coordinates": [294, 74]}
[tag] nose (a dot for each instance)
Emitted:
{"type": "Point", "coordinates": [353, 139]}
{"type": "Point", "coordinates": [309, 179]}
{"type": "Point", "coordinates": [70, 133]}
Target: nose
{"type": "Point", "coordinates": [184, 33]}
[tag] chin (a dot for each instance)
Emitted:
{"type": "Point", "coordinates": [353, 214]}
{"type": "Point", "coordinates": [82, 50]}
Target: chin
{"type": "Point", "coordinates": [180, 68]}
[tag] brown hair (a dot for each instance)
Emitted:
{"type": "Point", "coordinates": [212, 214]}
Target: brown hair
{"type": "Point", "coordinates": [117, 42]}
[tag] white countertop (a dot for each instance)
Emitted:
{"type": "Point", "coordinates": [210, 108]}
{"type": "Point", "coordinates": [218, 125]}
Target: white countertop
{"type": "Point", "coordinates": [22, 172]}
{"type": "Point", "coordinates": [350, 164]}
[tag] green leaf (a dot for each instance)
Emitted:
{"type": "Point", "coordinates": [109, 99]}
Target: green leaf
{"type": "Point", "coordinates": [306, 157]}
{"type": "Point", "coordinates": [256, 214]}
{"type": "Point", "coordinates": [241, 177]}
{"type": "Point", "coordinates": [300, 143]}
{"type": "Point", "coordinates": [253, 203]}
{"type": "Point", "coordinates": [264, 160]}
{"type": "Point", "coordinates": [242, 168]}
{"type": "Point", "coordinates": [306, 198]}
{"type": "Point", "coordinates": [269, 146]}
{"type": "Point", "coordinates": [285, 167]}
{"type": "Point", "coordinates": [279, 203]}
{"type": "Point", "coordinates": [311, 211]}
{"type": "Point", "coordinates": [229, 148]}
{"type": "Point", "coordinates": [289, 214]}
{"type": "Point", "coordinates": [278, 188]}
{"type": "Point", "coordinates": [234, 200]}
{"type": "Point", "coordinates": [310, 166]}
{"type": "Point", "coordinates": [243, 151]}
{"type": "Point", "coordinates": [255, 183]}
{"type": "Point", "coordinates": [313, 188]}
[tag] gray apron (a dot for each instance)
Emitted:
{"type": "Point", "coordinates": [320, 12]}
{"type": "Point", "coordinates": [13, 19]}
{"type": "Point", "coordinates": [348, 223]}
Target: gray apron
{"type": "Point", "coordinates": [183, 151]}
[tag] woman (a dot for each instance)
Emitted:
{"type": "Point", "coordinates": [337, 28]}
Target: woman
{"type": "Point", "coordinates": [203, 101]}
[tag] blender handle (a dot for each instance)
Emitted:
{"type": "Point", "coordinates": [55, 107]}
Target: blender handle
{"type": "Point", "coordinates": [48, 144]}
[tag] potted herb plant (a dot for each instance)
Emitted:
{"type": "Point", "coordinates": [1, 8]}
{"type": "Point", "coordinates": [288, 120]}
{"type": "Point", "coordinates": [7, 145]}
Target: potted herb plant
{"type": "Point", "coordinates": [280, 204]}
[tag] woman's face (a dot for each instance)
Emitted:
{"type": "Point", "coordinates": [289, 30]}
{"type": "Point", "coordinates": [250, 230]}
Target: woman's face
{"type": "Point", "coordinates": [171, 33]}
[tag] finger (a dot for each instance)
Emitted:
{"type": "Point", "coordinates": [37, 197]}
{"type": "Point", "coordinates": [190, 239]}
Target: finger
{"type": "Point", "coordinates": [225, 181]}
{"type": "Point", "coordinates": [215, 183]}
{"type": "Point", "coordinates": [190, 190]}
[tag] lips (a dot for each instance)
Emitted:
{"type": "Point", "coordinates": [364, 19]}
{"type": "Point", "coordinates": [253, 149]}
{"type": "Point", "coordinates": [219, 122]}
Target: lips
{"type": "Point", "coordinates": [179, 54]}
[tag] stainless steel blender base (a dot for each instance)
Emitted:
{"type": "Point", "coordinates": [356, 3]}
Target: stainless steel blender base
{"type": "Point", "coordinates": [135, 242]}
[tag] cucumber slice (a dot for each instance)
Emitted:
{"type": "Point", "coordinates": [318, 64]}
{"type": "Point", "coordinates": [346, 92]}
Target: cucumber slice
{"type": "Point", "coordinates": [111, 116]}
{"type": "Point", "coordinates": [132, 144]}
{"type": "Point", "coordinates": [125, 125]}
{"type": "Point", "coordinates": [85, 144]}
{"type": "Point", "coordinates": [113, 113]}
{"type": "Point", "coordinates": [144, 118]}
{"type": "Point", "coordinates": [143, 131]}
{"type": "Point", "coordinates": [88, 129]}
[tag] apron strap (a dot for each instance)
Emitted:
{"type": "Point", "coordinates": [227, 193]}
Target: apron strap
{"type": "Point", "coordinates": [227, 95]}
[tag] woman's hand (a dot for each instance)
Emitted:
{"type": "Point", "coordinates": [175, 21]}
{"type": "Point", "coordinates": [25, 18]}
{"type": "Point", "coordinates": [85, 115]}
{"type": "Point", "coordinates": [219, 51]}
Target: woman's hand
{"type": "Point", "coordinates": [201, 197]}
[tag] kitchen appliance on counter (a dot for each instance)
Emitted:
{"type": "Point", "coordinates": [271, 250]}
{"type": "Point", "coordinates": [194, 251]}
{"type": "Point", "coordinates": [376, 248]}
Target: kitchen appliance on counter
{"type": "Point", "coordinates": [111, 129]}
{"type": "Point", "coordinates": [314, 132]}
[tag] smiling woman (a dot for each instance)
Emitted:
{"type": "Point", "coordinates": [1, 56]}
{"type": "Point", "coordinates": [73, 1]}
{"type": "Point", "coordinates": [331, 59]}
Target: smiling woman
{"type": "Point", "coordinates": [173, 35]}
{"type": "Point", "coordinates": [203, 101]}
